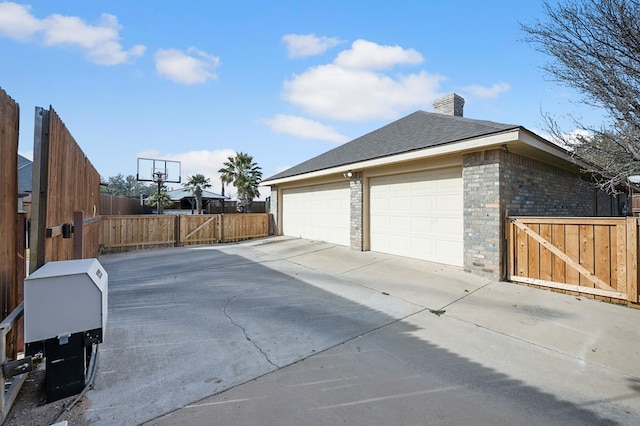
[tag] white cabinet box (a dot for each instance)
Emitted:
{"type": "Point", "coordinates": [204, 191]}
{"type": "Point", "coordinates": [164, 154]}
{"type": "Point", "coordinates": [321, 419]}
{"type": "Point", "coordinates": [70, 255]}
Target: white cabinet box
{"type": "Point", "coordinates": [65, 297]}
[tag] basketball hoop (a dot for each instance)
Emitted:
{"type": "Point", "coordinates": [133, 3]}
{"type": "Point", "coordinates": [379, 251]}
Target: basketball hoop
{"type": "Point", "coordinates": [159, 176]}
{"type": "Point", "coordinates": [159, 171]}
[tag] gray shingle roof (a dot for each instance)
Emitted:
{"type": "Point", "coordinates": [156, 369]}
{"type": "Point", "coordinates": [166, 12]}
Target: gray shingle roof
{"type": "Point", "coordinates": [179, 194]}
{"type": "Point", "coordinates": [25, 174]}
{"type": "Point", "coordinates": [414, 132]}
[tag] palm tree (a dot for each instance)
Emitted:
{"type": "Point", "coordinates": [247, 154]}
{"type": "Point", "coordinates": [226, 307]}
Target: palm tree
{"type": "Point", "coordinates": [164, 200]}
{"type": "Point", "coordinates": [196, 184]}
{"type": "Point", "coordinates": [245, 175]}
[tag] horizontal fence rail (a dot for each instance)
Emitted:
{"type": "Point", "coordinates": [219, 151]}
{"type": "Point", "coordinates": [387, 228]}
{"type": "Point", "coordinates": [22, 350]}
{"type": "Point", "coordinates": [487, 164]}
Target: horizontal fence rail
{"type": "Point", "coordinates": [135, 232]}
{"type": "Point", "coordinates": [10, 385]}
{"type": "Point", "coordinates": [594, 256]}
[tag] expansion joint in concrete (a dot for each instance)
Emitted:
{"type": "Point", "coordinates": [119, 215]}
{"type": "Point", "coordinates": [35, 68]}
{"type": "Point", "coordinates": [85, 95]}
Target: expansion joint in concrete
{"type": "Point", "coordinates": [246, 336]}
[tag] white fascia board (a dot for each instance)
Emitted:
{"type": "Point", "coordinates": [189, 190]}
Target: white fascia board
{"type": "Point", "coordinates": [542, 144]}
{"type": "Point", "coordinates": [449, 148]}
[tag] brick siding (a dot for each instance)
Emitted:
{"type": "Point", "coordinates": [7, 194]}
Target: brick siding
{"type": "Point", "coordinates": [496, 182]}
{"type": "Point", "coordinates": [356, 210]}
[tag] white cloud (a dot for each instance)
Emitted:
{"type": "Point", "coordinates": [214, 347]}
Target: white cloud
{"type": "Point", "coordinates": [360, 85]}
{"type": "Point", "coordinates": [304, 128]}
{"type": "Point", "coordinates": [353, 87]}
{"type": "Point", "coordinates": [330, 91]}
{"type": "Point", "coordinates": [100, 42]}
{"type": "Point", "coordinates": [486, 92]}
{"type": "Point", "coordinates": [192, 67]}
{"type": "Point", "coordinates": [303, 45]}
{"type": "Point", "coordinates": [16, 21]}
{"type": "Point", "coordinates": [193, 162]}
{"type": "Point", "coordinates": [371, 56]}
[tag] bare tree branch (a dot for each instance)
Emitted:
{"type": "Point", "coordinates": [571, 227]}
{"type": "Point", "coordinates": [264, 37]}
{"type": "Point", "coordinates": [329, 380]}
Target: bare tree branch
{"type": "Point", "coordinates": [594, 47]}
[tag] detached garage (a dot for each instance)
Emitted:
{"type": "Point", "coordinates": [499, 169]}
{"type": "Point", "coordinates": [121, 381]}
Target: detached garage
{"type": "Point", "coordinates": [432, 186]}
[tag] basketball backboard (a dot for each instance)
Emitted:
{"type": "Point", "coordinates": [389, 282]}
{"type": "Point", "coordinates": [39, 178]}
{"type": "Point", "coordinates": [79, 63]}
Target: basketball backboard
{"type": "Point", "coordinates": [154, 170]}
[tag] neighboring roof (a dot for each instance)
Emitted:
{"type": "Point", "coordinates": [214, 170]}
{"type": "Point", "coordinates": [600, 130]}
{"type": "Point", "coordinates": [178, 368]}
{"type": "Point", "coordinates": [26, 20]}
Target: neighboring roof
{"type": "Point", "coordinates": [179, 194]}
{"type": "Point", "coordinates": [414, 132]}
{"type": "Point", "coordinates": [25, 174]}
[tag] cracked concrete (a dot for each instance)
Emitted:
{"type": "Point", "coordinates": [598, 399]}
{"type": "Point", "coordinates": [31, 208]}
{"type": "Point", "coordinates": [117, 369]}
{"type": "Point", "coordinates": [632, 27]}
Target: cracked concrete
{"type": "Point", "coordinates": [246, 336]}
{"type": "Point", "coordinates": [174, 314]}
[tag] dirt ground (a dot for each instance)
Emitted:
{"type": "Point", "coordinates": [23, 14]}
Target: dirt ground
{"type": "Point", "coordinates": [30, 408]}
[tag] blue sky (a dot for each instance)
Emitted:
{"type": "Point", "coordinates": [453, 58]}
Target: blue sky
{"type": "Point", "coordinates": [197, 81]}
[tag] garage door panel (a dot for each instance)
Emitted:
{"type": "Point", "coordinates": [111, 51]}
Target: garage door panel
{"type": "Point", "coordinates": [399, 242]}
{"type": "Point", "coordinates": [449, 202]}
{"type": "Point", "coordinates": [319, 212]}
{"type": "Point", "coordinates": [421, 226]}
{"type": "Point", "coordinates": [399, 225]}
{"type": "Point", "coordinates": [418, 215]}
{"type": "Point", "coordinates": [423, 203]}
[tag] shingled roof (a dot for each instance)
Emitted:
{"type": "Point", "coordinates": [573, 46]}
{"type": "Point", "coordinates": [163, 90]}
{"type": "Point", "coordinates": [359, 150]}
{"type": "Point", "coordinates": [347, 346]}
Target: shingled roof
{"type": "Point", "coordinates": [414, 132]}
{"type": "Point", "coordinates": [25, 174]}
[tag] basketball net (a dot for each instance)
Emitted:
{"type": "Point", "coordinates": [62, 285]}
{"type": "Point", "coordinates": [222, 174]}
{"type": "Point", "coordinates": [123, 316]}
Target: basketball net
{"type": "Point", "coordinates": [159, 177]}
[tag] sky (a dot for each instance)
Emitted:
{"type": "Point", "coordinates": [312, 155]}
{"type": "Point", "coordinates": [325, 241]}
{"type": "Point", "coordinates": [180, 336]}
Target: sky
{"type": "Point", "coordinates": [282, 80]}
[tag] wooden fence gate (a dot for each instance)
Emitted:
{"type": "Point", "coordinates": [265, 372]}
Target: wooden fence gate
{"type": "Point", "coordinates": [593, 256]}
{"type": "Point", "coordinates": [135, 232]}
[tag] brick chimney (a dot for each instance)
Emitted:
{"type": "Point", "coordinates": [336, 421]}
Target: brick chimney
{"type": "Point", "coordinates": [449, 105]}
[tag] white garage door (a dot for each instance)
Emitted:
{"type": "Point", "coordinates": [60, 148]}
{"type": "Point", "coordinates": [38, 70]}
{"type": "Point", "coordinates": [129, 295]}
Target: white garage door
{"type": "Point", "coordinates": [319, 212]}
{"type": "Point", "coordinates": [418, 215]}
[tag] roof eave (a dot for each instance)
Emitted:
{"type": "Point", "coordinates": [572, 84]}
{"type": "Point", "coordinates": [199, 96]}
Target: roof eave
{"type": "Point", "coordinates": [484, 142]}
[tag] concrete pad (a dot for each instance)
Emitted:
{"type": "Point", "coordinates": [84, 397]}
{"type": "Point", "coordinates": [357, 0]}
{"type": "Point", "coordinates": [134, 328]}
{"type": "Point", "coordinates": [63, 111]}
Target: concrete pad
{"type": "Point", "coordinates": [289, 331]}
{"type": "Point", "coordinates": [427, 284]}
{"type": "Point", "coordinates": [586, 329]}
{"type": "Point", "coordinates": [401, 374]}
{"type": "Point", "coordinates": [187, 323]}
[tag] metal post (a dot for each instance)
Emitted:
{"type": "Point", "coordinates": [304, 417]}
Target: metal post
{"type": "Point", "coordinates": [78, 234]}
{"type": "Point", "coordinates": [222, 216]}
{"type": "Point", "coordinates": [159, 176]}
{"type": "Point", "coordinates": [159, 201]}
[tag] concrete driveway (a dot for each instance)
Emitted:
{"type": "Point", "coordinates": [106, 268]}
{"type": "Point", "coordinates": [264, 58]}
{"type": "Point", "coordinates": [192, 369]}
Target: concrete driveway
{"type": "Point", "coordinates": [288, 331]}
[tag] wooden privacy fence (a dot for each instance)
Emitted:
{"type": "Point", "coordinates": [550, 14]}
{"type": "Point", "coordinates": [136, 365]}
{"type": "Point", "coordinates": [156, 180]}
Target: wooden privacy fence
{"type": "Point", "coordinates": [12, 250]}
{"type": "Point", "coordinates": [110, 204]}
{"type": "Point", "coordinates": [9, 123]}
{"type": "Point", "coordinates": [593, 256]}
{"type": "Point", "coordinates": [64, 182]}
{"type": "Point", "coordinates": [123, 233]}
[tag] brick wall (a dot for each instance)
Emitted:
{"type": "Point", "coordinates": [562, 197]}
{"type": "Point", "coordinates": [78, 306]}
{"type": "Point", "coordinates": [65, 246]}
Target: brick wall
{"type": "Point", "coordinates": [531, 188]}
{"type": "Point", "coordinates": [356, 210]}
{"type": "Point", "coordinates": [496, 182]}
{"type": "Point", "coordinates": [481, 215]}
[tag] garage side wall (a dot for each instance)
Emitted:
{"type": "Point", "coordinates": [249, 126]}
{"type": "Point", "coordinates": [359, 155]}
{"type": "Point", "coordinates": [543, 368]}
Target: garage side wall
{"type": "Point", "coordinates": [496, 182]}
{"type": "Point", "coordinates": [532, 188]}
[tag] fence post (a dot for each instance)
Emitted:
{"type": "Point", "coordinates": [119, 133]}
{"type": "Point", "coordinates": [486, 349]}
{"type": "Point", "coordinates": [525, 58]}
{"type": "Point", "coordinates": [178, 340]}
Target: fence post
{"type": "Point", "coordinates": [176, 231]}
{"type": "Point", "coordinates": [632, 259]}
{"type": "Point", "coordinates": [78, 234]}
{"type": "Point", "coordinates": [21, 268]}
{"type": "Point", "coordinates": [222, 227]}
